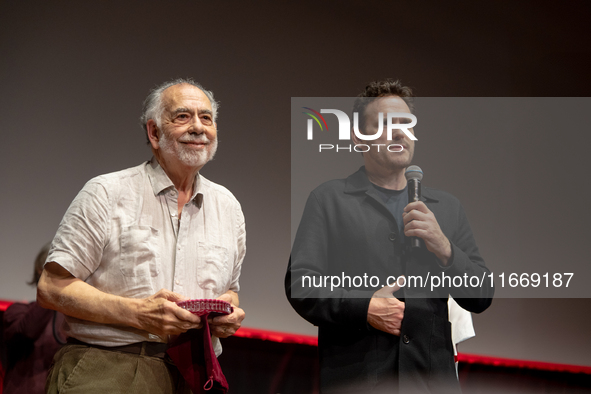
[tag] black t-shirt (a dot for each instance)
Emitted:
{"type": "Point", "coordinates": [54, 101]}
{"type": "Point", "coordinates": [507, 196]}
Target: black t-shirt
{"type": "Point", "coordinates": [395, 200]}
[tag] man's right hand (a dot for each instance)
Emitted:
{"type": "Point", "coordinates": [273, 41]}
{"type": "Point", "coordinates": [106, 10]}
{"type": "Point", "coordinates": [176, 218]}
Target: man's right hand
{"type": "Point", "coordinates": [159, 314]}
{"type": "Point", "coordinates": [385, 311]}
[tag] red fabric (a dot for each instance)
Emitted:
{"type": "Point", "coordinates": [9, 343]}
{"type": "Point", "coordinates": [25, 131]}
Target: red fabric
{"type": "Point", "coordinates": [278, 336]}
{"type": "Point", "coordinates": [282, 337]}
{"type": "Point", "coordinates": [513, 363]}
{"type": "Point", "coordinates": [192, 353]}
{"type": "Point", "coordinates": [4, 305]}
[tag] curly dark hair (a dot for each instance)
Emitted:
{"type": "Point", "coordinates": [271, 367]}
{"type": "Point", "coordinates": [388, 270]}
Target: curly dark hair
{"type": "Point", "coordinates": [386, 87]}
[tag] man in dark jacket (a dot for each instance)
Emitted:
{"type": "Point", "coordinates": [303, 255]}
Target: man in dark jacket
{"type": "Point", "coordinates": [352, 241]}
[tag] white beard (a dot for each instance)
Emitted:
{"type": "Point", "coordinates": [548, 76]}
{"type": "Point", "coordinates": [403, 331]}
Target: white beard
{"type": "Point", "coordinates": [185, 154]}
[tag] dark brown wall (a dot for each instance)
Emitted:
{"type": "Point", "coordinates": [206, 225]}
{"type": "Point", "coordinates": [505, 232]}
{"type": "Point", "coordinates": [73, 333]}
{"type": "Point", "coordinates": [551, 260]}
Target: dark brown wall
{"type": "Point", "coordinates": [73, 76]}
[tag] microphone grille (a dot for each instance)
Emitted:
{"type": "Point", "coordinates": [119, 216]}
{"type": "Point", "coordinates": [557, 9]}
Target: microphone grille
{"type": "Point", "coordinates": [413, 172]}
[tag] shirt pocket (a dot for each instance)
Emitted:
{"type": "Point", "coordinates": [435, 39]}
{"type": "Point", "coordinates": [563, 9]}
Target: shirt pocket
{"type": "Point", "coordinates": [140, 252]}
{"type": "Point", "coordinates": [213, 271]}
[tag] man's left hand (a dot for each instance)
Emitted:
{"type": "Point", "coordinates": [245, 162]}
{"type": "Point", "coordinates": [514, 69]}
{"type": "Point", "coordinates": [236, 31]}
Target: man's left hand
{"type": "Point", "coordinates": [420, 222]}
{"type": "Point", "coordinates": [227, 325]}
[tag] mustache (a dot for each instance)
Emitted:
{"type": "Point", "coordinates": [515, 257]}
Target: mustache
{"type": "Point", "coordinates": [405, 146]}
{"type": "Point", "coordinates": [202, 138]}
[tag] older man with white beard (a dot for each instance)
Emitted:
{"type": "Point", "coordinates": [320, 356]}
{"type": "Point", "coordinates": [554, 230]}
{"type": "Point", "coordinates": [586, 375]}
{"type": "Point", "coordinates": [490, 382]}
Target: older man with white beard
{"type": "Point", "coordinates": [134, 242]}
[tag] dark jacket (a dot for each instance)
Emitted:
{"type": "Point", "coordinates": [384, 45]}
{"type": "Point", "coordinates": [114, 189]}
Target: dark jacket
{"type": "Point", "coordinates": [33, 335]}
{"type": "Point", "coordinates": [347, 231]}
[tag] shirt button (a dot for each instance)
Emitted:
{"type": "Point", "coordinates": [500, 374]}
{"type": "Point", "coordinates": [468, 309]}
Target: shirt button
{"type": "Point", "coordinates": [392, 237]}
{"type": "Point", "coordinates": [405, 339]}
{"type": "Point", "coordinates": [178, 282]}
{"type": "Point", "coordinates": [178, 248]}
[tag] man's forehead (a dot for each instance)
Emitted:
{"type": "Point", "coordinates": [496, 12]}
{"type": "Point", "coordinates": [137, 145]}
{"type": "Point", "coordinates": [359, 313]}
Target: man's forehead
{"type": "Point", "coordinates": [184, 95]}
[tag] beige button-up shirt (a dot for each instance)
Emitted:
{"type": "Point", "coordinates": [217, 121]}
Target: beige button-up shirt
{"type": "Point", "coordinates": [122, 235]}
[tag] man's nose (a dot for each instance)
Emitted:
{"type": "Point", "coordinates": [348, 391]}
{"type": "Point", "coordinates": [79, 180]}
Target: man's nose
{"type": "Point", "coordinates": [397, 134]}
{"type": "Point", "coordinates": [196, 126]}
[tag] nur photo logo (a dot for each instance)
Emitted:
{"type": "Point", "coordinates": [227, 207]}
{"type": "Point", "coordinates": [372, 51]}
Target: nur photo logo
{"type": "Point", "coordinates": [386, 123]}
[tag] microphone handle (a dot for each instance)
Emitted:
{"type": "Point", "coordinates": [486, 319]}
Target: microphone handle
{"type": "Point", "coordinates": [414, 194]}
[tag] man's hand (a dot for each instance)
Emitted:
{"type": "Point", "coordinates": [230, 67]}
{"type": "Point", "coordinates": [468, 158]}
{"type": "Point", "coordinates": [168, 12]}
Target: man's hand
{"type": "Point", "coordinates": [385, 311]}
{"type": "Point", "coordinates": [159, 314]}
{"type": "Point", "coordinates": [420, 222]}
{"type": "Point", "coordinates": [227, 325]}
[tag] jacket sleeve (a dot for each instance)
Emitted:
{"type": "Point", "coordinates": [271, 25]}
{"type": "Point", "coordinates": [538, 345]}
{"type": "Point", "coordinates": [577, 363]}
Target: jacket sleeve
{"type": "Point", "coordinates": [466, 262]}
{"type": "Point", "coordinates": [25, 320]}
{"type": "Point", "coordinates": [307, 285]}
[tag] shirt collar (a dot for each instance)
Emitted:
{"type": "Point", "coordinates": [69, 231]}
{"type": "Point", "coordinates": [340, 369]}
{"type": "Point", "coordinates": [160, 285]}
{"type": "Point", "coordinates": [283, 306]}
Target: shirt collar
{"type": "Point", "coordinates": [161, 182]}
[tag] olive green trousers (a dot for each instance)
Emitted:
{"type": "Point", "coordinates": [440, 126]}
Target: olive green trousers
{"type": "Point", "coordinates": [87, 370]}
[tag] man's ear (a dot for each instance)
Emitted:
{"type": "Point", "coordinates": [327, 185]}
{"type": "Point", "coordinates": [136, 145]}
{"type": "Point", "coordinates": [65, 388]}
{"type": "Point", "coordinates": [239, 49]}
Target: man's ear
{"type": "Point", "coordinates": [356, 140]}
{"type": "Point", "coordinates": [153, 134]}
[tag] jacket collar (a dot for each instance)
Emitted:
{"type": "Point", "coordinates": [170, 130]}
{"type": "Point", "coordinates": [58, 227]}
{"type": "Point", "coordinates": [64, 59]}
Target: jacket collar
{"type": "Point", "coordinates": [359, 183]}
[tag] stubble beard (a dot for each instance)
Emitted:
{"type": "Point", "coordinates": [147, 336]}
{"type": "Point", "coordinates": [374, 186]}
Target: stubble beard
{"type": "Point", "coordinates": [386, 161]}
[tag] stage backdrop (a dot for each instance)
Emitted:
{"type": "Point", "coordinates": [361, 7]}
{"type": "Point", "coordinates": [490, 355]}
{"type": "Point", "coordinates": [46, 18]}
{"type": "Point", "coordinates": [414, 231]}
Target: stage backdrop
{"type": "Point", "coordinates": [73, 76]}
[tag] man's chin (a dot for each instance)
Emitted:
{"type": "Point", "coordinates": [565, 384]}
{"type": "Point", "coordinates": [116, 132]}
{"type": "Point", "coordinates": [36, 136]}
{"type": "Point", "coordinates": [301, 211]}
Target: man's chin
{"type": "Point", "coordinates": [193, 161]}
{"type": "Point", "coordinates": [402, 163]}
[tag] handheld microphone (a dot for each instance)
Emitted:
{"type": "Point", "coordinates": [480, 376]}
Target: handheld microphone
{"type": "Point", "coordinates": [414, 176]}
